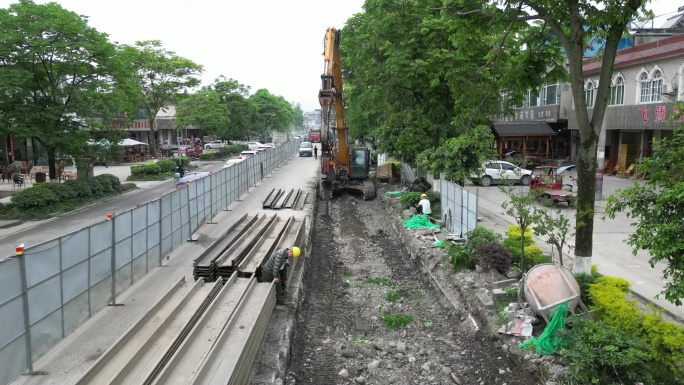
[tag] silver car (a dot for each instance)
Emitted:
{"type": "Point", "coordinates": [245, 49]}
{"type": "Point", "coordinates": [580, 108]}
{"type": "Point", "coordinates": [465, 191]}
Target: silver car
{"type": "Point", "coordinates": [497, 171]}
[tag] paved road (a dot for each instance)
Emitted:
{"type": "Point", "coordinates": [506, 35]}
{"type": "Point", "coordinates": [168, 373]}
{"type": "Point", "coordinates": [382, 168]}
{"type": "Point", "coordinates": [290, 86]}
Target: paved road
{"type": "Point", "coordinates": [612, 255]}
{"type": "Point", "coordinates": [34, 232]}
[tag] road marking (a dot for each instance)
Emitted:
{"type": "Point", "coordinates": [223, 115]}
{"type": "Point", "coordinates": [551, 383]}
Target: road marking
{"type": "Point", "coordinates": [640, 282]}
{"type": "Point", "coordinates": [638, 267]}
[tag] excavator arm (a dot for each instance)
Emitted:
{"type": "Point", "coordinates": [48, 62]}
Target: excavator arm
{"type": "Point", "coordinates": [342, 167]}
{"type": "Point", "coordinates": [330, 98]}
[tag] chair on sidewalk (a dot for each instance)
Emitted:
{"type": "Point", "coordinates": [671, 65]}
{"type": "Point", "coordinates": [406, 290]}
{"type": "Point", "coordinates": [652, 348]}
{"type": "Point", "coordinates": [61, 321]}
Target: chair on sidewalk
{"type": "Point", "coordinates": [627, 173]}
{"type": "Point", "coordinates": [17, 180]}
{"type": "Point", "coordinates": [616, 170]}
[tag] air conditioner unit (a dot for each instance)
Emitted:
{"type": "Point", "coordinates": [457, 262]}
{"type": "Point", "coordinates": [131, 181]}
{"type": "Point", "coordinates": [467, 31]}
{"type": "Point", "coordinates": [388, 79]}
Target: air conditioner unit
{"type": "Point", "coordinates": [669, 89]}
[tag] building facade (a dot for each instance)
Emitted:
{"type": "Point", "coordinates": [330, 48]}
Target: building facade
{"type": "Point", "coordinates": [645, 86]}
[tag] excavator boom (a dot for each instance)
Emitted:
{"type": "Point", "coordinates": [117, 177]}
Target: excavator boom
{"type": "Point", "coordinates": [341, 165]}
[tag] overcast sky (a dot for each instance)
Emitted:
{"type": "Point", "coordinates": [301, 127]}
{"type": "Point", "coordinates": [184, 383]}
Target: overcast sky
{"type": "Point", "coordinates": [272, 44]}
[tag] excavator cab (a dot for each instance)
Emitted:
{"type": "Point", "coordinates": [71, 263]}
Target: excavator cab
{"type": "Point", "coordinates": [360, 163]}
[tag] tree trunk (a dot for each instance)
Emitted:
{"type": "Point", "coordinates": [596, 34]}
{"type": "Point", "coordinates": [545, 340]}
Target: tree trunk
{"type": "Point", "coordinates": [153, 139]}
{"type": "Point", "coordinates": [52, 163]}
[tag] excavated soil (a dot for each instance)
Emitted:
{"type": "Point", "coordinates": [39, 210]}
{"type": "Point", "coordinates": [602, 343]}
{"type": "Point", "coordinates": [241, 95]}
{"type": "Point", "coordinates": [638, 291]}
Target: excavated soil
{"type": "Point", "coordinates": [359, 270]}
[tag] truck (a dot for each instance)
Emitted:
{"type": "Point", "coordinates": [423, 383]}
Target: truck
{"type": "Point", "coordinates": [342, 167]}
{"type": "Point", "coordinates": [315, 135]}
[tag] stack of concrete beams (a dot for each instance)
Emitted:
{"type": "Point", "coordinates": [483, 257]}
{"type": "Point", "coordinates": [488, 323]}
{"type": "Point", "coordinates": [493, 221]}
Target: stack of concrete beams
{"type": "Point", "coordinates": [205, 265]}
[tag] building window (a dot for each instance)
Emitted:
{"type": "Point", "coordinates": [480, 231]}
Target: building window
{"type": "Point", "coordinates": [651, 88]}
{"type": "Point", "coordinates": [617, 92]}
{"type": "Point", "coordinates": [645, 84]}
{"type": "Point", "coordinates": [142, 114]}
{"type": "Point", "coordinates": [657, 87]}
{"type": "Point", "coordinates": [534, 98]}
{"type": "Point", "coordinates": [550, 96]}
{"type": "Point", "coordinates": [589, 94]}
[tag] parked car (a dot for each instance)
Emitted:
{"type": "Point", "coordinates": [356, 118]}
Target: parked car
{"type": "Point", "coordinates": [497, 171]}
{"type": "Point", "coordinates": [305, 149]}
{"type": "Point", "coordinates": [248, 153]}
{"type": "Point", "coordinates": [214, 144]}
{"type": "Point", "coordinates": [253, 145]}
{"type": "Point", "coordinates": [270, 145]}
{"type": "Point", "coordinates": [265, 147]}
{"type": "Point", "coordinates": [189, 177]}
{"type": "Point", "coordinates": [233, 161]}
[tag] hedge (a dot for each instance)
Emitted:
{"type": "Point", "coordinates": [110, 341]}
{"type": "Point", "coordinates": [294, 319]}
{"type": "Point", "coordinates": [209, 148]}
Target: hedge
{"type": "Point", "coordinates": [609, 300]}
{"type": "Point", "coordinates": [46, 197]}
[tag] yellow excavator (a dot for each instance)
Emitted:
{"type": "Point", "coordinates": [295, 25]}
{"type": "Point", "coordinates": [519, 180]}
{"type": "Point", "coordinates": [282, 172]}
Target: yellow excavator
{"type": "Point", "coordinates": [342, 167]}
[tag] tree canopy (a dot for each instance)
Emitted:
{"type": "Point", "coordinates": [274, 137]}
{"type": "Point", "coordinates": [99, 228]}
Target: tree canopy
{"type": "Point", "coordinates": [59, 77]}
{"type": "Point", "coordinates": [160, 74]}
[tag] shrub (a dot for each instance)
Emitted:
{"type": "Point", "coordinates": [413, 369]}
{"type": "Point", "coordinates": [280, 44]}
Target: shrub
{"type": "Point", "coordinates": [514, 232]}
{"type": "Point", "coordinates": [666, 340]}
{"type": "Point", "coordinates": [461, 257]}
{"type": "Point", "coordinates": [167, 165]}
{"type": "Point", "coordinates": [396, 321]}
{"type": "Point", "coordinates": [410, 199]}
{"type": "Point", "coordinates": [533, 254]}
{"type": "Point", "coordinates": [584, 281]}
{"type": "Point", "coordinates": [34, 197]}
{"type": "Point", "coordinates": [493, 256]}
{"type": "Point", "coordinates": [209, 156]}
{"type": "Point", "coordinates": [114, 182]}
{"type": "Point", "coordinates": [185, 161]}
{"type": "Point", "coordinates": [62, 191]}
{"type": "Point", "coordinates": [81, 187]}
{"type": "Point", "coordinates": [128, 186]}
{"type": "Point", "coordinates": [481, 235]}
{"type": "Point", "coordinates": [235, 149]}
{"type": "Point", "coordinates": [598, 353]}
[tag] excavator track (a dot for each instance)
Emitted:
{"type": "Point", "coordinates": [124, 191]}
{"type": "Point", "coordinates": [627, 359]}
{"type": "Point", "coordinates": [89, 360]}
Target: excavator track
{"type": "Point", "coordinates": [368, 189]}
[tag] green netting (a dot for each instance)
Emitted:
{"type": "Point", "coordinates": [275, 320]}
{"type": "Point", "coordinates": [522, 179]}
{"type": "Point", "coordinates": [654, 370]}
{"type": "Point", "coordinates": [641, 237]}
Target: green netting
{"type": "Point", "coordinates": [548, 342]}
{"type": "Point", "coordinates": [393, 194]}
{"type": "Point", "coordinates": [420, 222]}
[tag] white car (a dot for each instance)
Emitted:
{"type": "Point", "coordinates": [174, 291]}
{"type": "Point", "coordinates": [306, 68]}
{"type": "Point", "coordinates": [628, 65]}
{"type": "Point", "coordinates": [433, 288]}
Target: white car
{"type": "Point", "coordinates": [497, 171]}
{"type": "Point", "coordinates": [253, 145]}
{"type": "Point", "coordinates": [214, 144]}
{"type": "Point", "coordinates": [305, 149]}
{"type": "Point", "coordinates": [233, 161]}
{"type": "Point", "coordinates": [248, 153]}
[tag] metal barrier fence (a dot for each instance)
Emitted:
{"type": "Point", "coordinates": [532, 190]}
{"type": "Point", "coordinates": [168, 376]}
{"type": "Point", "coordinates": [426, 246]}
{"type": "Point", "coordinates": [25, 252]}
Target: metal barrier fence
{"type": "Point", "coordinates": [55, 286]}
{"type": "Point", "coordinates": [459, 207]}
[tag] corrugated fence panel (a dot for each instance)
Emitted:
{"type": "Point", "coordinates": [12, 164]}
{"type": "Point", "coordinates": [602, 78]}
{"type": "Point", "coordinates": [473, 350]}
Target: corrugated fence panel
{"type": "Point", "coordinates": [42, 262]}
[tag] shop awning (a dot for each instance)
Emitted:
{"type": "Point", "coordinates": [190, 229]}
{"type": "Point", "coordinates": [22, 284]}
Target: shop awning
{"type": "Point", "coordinates": [523, 129]}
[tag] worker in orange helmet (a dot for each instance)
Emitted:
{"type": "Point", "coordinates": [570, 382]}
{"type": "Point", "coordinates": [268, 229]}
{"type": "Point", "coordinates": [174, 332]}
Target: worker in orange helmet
{"type": "Point", "coordinates": [271, 269]}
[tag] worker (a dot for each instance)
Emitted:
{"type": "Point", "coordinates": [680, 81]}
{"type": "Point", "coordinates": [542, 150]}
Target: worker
{"type": "Point", "coordinates": [179, 170]}
{"type": "Point", "coordinates": [423, 205]}
{"type": "Point", "coordinates": [315, 152]}
{"type": "Point", "coordinates": [271, 269]}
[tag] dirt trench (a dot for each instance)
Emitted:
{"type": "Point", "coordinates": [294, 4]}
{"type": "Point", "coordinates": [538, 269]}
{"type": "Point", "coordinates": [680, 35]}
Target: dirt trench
{"type": "Point", "coordinates": [359, 270]}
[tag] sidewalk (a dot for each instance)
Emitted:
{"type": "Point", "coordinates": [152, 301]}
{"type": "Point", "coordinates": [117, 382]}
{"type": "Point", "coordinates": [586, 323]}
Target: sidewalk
{"type": "Point", "coordinates": [612, 255]}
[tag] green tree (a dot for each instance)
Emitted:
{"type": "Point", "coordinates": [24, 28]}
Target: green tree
{"type": "Point", "coordinates": [270, 112]}
{"type": "Point", "coordinates": [160, 74]}
{"type": "Point", "coordinates": [59, 76]}
{"type": "Point", "coordinates": [235, 96]}
{"type": "Point", "coordinates": [205, 111]}
{"type": "Point", "coordinates": [521, 208]}
{"type": "Point", "coordinates": [459, 156]}
{"type": "Point", "coordinates": [297, 116]}
{"type": "Point", "coordinates": [657, 208]}
{"type": "Point", "coordinates": [573, 24]}
{"type": "Point", "coordinates": [556, 227]}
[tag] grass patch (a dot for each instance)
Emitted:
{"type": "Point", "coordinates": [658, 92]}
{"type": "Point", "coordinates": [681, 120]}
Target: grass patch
{"type": "Point", "coordinates": [392, 296]}
{"type": "Point", "coordinates": [427, 323]}
{"type": "Point", "coordinates": [396, 321]}
{"type": "Point", "coordinates": [346, 276]}
{"type": "Point", "coordinates": [379, 281]}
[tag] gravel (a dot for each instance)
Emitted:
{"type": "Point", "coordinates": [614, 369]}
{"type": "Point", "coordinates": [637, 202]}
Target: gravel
{"type": "Point", "coordinates": [358, 274]}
